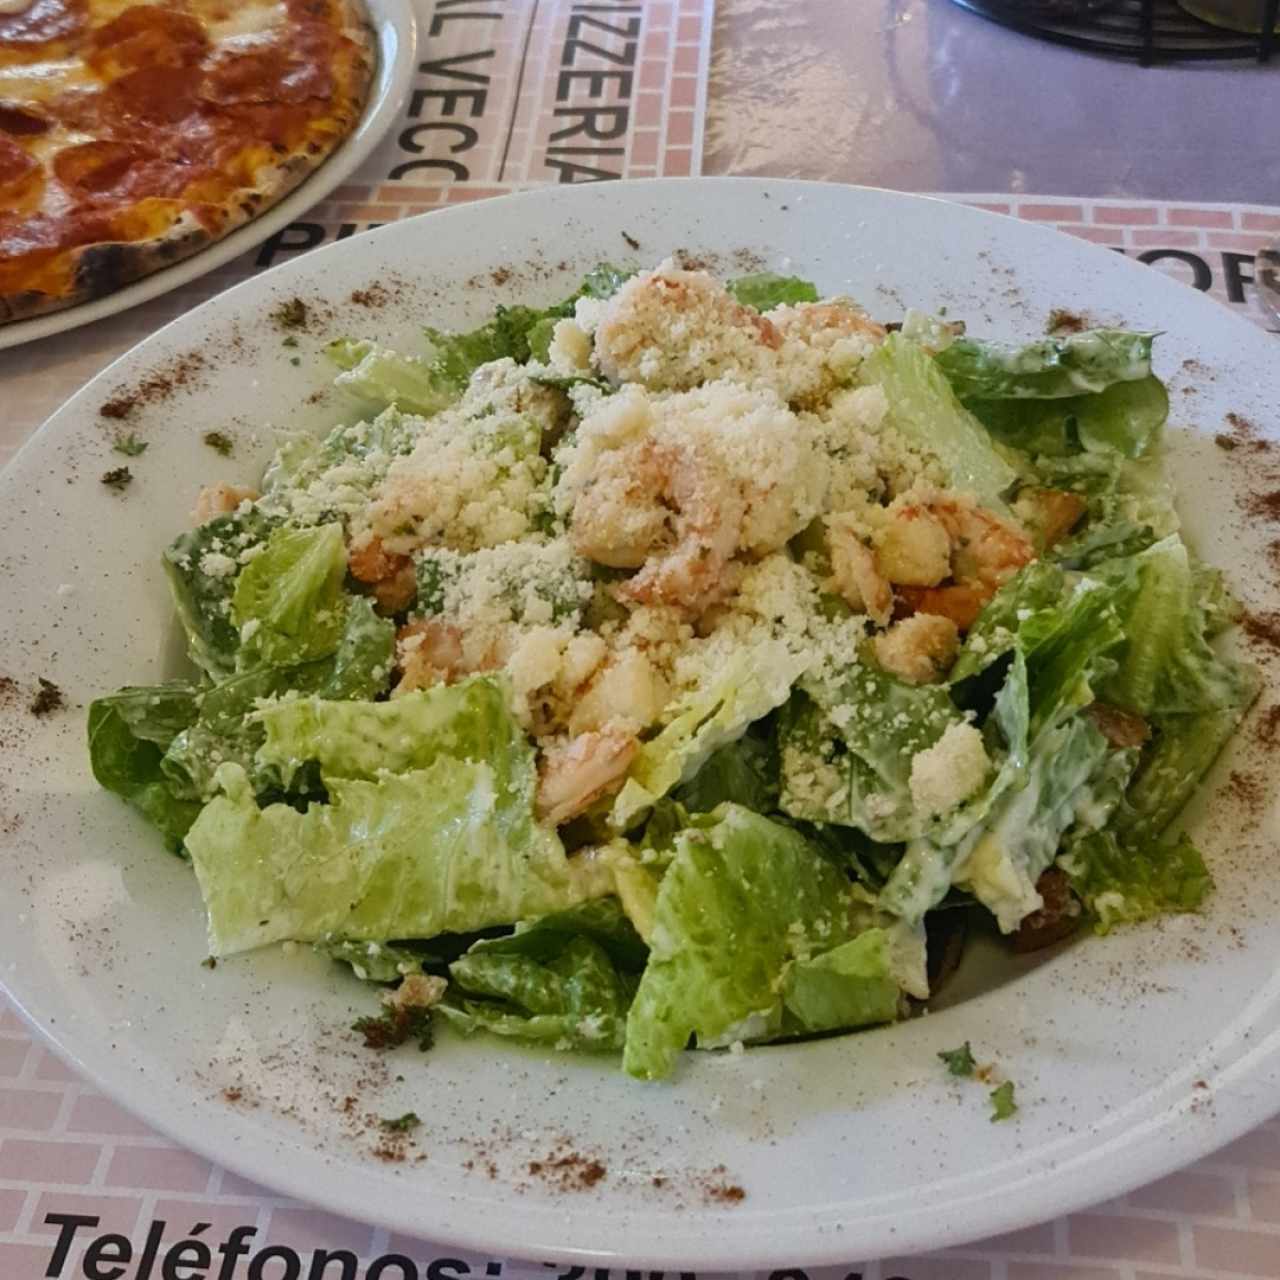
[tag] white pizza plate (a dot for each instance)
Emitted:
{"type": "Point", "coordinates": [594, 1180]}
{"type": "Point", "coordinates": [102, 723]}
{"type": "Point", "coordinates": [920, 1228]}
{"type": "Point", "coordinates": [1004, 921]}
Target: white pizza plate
{"type": "Point", "coordinates": [395, 27]}
{"type": "Point", "coordinates": [1132, 1054]}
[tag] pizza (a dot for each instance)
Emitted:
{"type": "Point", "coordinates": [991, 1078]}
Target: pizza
{"type": "Point", "coordinates": [132, 136]}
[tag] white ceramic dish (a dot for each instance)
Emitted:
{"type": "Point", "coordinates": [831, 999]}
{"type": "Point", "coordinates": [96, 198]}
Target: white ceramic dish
{"type": "Point", "coordinates": [1132, 1054]}
{"type": "Point", "coordinates": [396, 36]}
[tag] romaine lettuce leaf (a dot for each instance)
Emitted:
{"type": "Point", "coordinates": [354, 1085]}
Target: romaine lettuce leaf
{"type": "Point", "coordinates": [1181, 752]}
{"type": "Point", "coordinates": [1049, 368]}
{"type": "Point", "coordinates": [567, 978]}
{"type": "Point", "coordinates": [927, 869]}
{"type": "Point", "coordinates": [362, 664]}
{"type": "Point", "coordinates": [524, 333]}
{"type": "Point", "coordinates": [379, 378]}
{"type": "Point", "coordinates": [372, 961]}
{"type": "Point", "coordinates": [449, 848]}
{"type": "Point", "coordinates": [927, 412]}
{"type": "Point", "coordinates": [847, 745]}
{"type": "Point", "coordinates": [1122, 882]}
{"type": "Point", "coordinates": [227, 728]}
{"type": "Point", "coordinates": [752, 683]}
{"type": "Point", "coordinates": [469, 720]}
{"type": "Point", "coordinates": [128, 734]}
{"type": "Point", "coordinates": [1126, 419]}
{"type": "Point", "coordinates": [1020, 838]}
{"type": "Point", "coordinates": [851, 985]}
{"type": "Point", "coordinates": [1166, 666]}
{"type": "Point", "coordinates": [761, 886]}
{"type": "Point", "coordinates": [745, 772]}
{"type": "Point", "coordinates": [289, 601]}
{"type": "Point", "coordinates": [764, 290]}
{"type": "Point", "coordinates": [202, 566]}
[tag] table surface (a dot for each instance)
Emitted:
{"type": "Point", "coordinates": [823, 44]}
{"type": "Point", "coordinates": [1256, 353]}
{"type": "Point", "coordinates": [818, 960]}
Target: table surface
{"type": "Point", "coordinates": [921, 95]}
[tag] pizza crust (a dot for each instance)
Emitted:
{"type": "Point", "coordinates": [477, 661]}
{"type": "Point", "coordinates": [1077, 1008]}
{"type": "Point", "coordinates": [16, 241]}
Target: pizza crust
{"type": "Point", "coordinates": [105, 267]}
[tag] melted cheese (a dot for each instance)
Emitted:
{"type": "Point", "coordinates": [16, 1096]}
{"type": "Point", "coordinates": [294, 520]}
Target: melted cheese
{"type": "Point", "coordinates": [42, 76]}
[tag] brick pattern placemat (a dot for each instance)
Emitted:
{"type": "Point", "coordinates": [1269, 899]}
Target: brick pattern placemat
{"type": "Point", "coordinates": [491, 110]}
{"type": "Point", "coordinates": [1211, 247]}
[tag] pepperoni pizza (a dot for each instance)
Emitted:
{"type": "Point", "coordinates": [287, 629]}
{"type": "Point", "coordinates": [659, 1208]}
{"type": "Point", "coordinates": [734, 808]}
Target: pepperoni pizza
{"type": "Point", "coordinates": [134, 135]}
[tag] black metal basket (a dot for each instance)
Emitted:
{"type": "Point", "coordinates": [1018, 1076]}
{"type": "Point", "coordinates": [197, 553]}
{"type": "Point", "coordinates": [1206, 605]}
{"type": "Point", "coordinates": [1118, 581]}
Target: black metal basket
{"type": "Point", "coordinates": [1147, 30]}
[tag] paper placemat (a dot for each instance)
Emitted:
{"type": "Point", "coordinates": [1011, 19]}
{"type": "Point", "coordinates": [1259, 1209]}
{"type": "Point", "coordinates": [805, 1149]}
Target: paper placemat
{"type": "Point", "coordinates": [512, 93]}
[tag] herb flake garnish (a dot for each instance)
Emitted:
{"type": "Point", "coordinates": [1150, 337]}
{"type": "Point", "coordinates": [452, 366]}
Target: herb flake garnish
{"type": "Point", "coordinates": [130, 445]}
{"type": "Point", "coordinates": [1002, 1104]}
{"type": "Point", "coordinates": [402, 1124]}
{"type": "Point", "coordinates": [959, 1061]}
{"type": "Point", "coordinates": [396, 1026]}
{"type": "Point", "coordinates": [219, 442]}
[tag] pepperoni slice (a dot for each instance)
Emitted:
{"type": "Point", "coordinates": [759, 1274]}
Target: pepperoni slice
{"type": "Point", "coordinates": [15, 163]}
{"type": "Point", "coordinates": [147, 36]}
{"type": "Point", "coordinates": [108, 170]}
{"type": "Point", "coordinates": [266, 75]}
{"type": "Point", "coordinates": [94, 167]}
{"type": "Point", "coordinates": [154, 95]}
{"type": "Point", "coordinates": [42, 22]}
{"type": "Point", "coordinates": [22, 120]}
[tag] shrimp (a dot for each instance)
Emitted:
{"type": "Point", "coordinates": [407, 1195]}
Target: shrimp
{"type": "Point", "coordinates": [221, 500]}
{"type": "Point", "coordinates": [575, 775]}
{"type": "Point", "coordinates": [667, 509]}
{"type": "Point", "coordinates": [919, 649]}
{"type": "Point", "coordinates": [984, 548]}
{"type": "Point", "coordinates": [644, 331]}
{"type": "Point", "coordinates": [390, 575]}
{"type": "Point", "coordinates": [825, 321]}
{"type": "Point", "coordinates": [1050, 513]}
{"type": "Point", "coordinates": [986, 551]}
{"type": "Point", "coordinates": [432, 651]}
{"type": "Point", "coordinates": [854, 572]}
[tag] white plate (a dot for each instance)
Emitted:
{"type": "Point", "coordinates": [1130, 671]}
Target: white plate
{"type": "Point", "coordinates": [847, 1148]}
{"type": "Point", "coordinates": [395, 28]}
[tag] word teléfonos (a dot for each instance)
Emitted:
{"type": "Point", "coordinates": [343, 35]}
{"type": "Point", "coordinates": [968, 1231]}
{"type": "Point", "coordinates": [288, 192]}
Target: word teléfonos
{"type": "Point", "coordinates": [114, 1257]}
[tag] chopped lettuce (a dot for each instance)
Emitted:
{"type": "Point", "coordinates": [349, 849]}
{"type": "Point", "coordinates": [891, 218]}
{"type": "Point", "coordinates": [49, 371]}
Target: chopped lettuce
{"type": "Point", "coordinates": [764, 290]}
{"type": "Point", "coordinates": [567, 979]}
{"type": "Point", "coordinates": [1123, 883]}
{"type": "Point", "coordinates": [202, 566]}
{"type": "Point", "coordinates": [378, 378]}
{"type": "Point", "coordinates": [925, 873]}
{"type": "Point", "coordinates": [1049, 368]}
{"type": "Point", "coordinates": [372, 961]}
{"type": "Point", "coordinates": [745, 771]}
{"type": "Point", "coordinates": [429, 826]}
{"type": "Point", "coordinates": [863, 780]}
{"type": "Point", "coordinates": [847, 747]}
{"type": "Point", "coordinates": [925, 409]}
{"type": "Point", "coordinates": [851, 985]}
{"type": "Point", "coordinates": [762, 885]}
{"type": "Point", "coordinates": [470, 720]}
{"type": "Point", "coordinates": [225, 729]}
{"type": "Point", "coordinates": [449, 848]}
{"type": "Point", "coordinates": [1165, 665]}
{"type": "Point", "coordinates": [1182, 751]}
{"type": "Point", "coordinates": [228, 728]}
{"type": "Point", "coordinates": [289, 601]}
{"type": "Point", "coordinates": [751, 684]}
{"type": "Point", "coordinates": [128, 735]}
{"type": "Point", "coordinates": [1126, 419]}
{"type": "Point", "coordinates": [1021, 836]}
{"type": "Point", "coordinates": [363, 660]}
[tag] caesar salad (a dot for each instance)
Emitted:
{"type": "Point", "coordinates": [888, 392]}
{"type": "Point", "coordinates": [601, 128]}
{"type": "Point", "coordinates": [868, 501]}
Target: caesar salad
{"type": "Point", "coordinates": [666, 667]}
